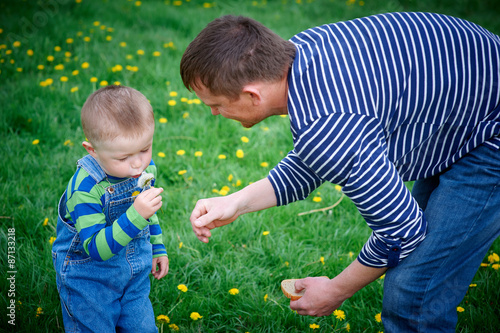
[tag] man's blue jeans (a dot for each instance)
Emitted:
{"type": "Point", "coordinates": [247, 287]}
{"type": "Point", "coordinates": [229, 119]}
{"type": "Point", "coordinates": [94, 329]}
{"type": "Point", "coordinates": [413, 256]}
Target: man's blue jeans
{"type": "Point", "coordinates": [462, 207]}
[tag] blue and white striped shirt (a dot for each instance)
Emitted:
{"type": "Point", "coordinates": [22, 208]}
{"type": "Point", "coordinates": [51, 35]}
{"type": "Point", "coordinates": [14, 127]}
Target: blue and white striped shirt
{"type": "Point", "coordinates": [384, 99]}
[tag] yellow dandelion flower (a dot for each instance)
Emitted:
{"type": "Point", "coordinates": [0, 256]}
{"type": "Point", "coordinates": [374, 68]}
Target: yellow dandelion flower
{"type": "Point", "coordinates": [215, 191]}
{"type": "Point", "coordinates": [86, 39]}
{"type": "Point", "coordinates": [30, 52]}
{"type": "Point", "coordinates": [40, 67]}
{"type": "Point", "coordinates": [182, 287]}
{"type": "Point", "coordinates": [223, 192]}
{"type": "Point", "coordinates": [46, 221]}
{"type": "Point", "coordinates": [75, 72]}
{"type": "Point", "coordinates": [156, 53]}
{"type": "Point", "coordinates": [472, 285]}
{"type": "Point", "coordinates": [287, 263]}
{"type": "Point", "coordinates": [181, 152]}
{"type": "Point", "coordinates": [195, 316]}
{"type": "Point", "coordinates": [198, 153]}
{"type": "Point", "coordinates": [117, 83]}
{"type": "Point", "coordinates": [93, 79]}
{"type": "Point", "coordinates": [50, 58]}
{"type": "Point", "coordinates": [185, 115]}
{"type": "Point", "coordinates": [161, 154]}
{"type": "Point", "coordinates": [484, 264]}
{"type": "Point", "coordinates": [173, 94]}
{"type": "Point", "coordinates": [460, 309]}
{"type": "Point", "coordinates": [240, 153]}
{"type": "Point", "coordinates": [244, 139]}
{"type": "Point", "coordinates": [135, 193]}
{"type": "Point", "coordinates": [103, 83]}
{"type": "Point", "coordinates": [123, 44]}
{"type": "Point", "coordinates": [173, 327]}
{"type": "Point", "coordinates": [16, 43]}
{"type": "Point", "coordinates": [317, 199]}
{"type": "Point", "coordinates": [348, 327]}
{"type": "Point", "coordinates": [140, 52]}
{"type": "Point", "coordinates": [339, 314]}
{"type": "Point", "coordinates": [495, 266]}
{"type": "Point", "coordinates": [230, 177]}
{"type": "Point", "coordinates": [338, 188]}
{"type": "Point", "coordinates": [67, 54]}
{"type": "Point", "coordinates": [138, 3]}
{"type": "Point", "coordinates": [109, 38]}
{"type": "Point", "coordinates": [378, 317]}
{"type": "Point", "coordinates": [177, 3]}
{"type": "Point", "coordinates": [64, 79]}
{"type": "Point", "coordinates": [196, 101]}
{"type": "Point", "coordinates": [350, 254]}
{"type": "Point", "coordinates": [313, 326]}
{"type": "Point", "coordinates": [74, 89]}
{"type": "Point", "coordinates": [181, 172]}
{"type": "Point", "coordinates": [129, 57]}
{"type": "Point", "coordinates": [172, 102]}
{"type": "Point", "coordinates": [180, 245]}
{"type": "Point", "coordinates": [266, 297]}
{"type": "Point", "coordinates": [382, 277]}
{"type": "Point", "coordinates": [35, 142]}
{"type": "Point", "coordinates": [69, 41]}
{"type": "Point", "coordinates": [265, 233]}
{"type": "Point", "coordinates": [234, 291]}
{"type": "Point", "coordinates": [238, 182]}
{"type": "Point", "coordinates": [39, 311]}
{"type": "Point", "coordinates": [59, 67]}
{"type": "Point", "coordinates": [19, 69]}
{"type": "Point", "coordinates": [97, 23]}
{"type": "Point", "coordinates": [57, 49]}
{"type": "Point", "coordinates": [322, 260]}
{"type": "Point", "coordinates": [493, 258]}
{"type": "Point", "coordinates": [163, 318]}
{"type": "Point", "coordinates": [51, 240]}
{"type": "Point", "coordinates": [117, 68]}
{"type": "Point", "coordinates": [163, 120]}
{"type": "Point", "coordinates": [85, 65]}
{"type": "Point", "coordinates": [225, 188]}
{"type": "Point", "coordinates": [222, 157]}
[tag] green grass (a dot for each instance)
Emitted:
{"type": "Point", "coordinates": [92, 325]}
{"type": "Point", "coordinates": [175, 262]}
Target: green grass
{"type": "Point", "coordinates": [32, 177]}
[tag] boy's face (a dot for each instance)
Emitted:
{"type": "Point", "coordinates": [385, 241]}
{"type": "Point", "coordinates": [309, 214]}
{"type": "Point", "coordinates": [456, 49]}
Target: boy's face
{"type": "Point", "coordinates": [124, 157]}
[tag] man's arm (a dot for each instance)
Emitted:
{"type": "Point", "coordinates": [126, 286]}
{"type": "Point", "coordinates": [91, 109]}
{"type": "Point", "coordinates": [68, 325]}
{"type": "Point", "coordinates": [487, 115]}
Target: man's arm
{"type": "Point", "coordinates": [323, 296]}
{"type": "Point", "coordinates": [216, 212]}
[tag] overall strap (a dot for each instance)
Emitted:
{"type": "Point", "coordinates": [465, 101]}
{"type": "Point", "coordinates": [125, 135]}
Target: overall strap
{"type": "Point", "coordinates": [89, 164]}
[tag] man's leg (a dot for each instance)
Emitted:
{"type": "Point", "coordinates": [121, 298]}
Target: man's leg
{"type": "Point", "coordinates": [463, 214]}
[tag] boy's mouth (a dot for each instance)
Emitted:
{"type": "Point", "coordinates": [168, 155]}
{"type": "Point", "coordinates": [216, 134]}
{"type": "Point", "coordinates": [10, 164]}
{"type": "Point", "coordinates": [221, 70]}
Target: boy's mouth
{"type": "Point", "coordinates": [136, 176]}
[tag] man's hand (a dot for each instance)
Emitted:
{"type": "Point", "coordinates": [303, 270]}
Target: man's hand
{"type": "Point", "coordinates": [320, 298]}
{"type": "Point", "coordinates": [212, 213]}
{"type": "Point", "coordinates": [323, 296]}
{"type": "Point", "coordinates": [216, 212]}
{"type": "Point", "coordinates": [148, 202]}
{"type": "Point", "coordinates": [162, 269]}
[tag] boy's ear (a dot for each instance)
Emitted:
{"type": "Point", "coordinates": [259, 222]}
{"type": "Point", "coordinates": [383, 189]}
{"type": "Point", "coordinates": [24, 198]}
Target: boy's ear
{"type": "Point", "coordinates": [88, 147]}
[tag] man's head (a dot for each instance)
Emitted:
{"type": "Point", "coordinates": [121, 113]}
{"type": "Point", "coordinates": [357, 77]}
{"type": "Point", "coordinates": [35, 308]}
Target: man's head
{"type": "Point", "coordinates": [233, 51]}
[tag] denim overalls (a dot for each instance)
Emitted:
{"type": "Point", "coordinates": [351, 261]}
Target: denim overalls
{"type": "Point", "coordinates": [111, 295]}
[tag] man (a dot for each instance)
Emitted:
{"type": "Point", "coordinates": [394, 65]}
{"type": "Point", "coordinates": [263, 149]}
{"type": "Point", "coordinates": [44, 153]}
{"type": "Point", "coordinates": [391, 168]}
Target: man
{"type": "Point", "coordinates": [372, 102]}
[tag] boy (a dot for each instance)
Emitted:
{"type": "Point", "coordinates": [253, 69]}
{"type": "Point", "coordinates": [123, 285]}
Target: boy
{"type": "Point", "coordinates": [108, 235]}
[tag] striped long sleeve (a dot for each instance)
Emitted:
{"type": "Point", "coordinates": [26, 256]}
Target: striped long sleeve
{"type": "Point", "coordinates": [85, 205]}
{"type": "Point", "coordinates": [384, 99]}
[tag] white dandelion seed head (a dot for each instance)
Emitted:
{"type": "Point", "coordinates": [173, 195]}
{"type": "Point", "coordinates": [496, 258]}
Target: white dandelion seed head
{"type": "Point", "coordinates": [145, 180]}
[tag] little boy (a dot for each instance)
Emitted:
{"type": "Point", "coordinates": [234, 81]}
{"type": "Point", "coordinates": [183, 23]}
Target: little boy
{"type": "Point", "coordinates": [108, 235]}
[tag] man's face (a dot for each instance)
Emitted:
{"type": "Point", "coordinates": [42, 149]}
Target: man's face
{"type": "Point", "coordinates": [243, 109]}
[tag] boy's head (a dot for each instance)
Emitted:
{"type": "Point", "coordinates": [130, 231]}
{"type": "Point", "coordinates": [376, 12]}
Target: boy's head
{"type": "Point", "coordinates": [118, 122]}
{"type": "Point", "coordinates": [233, 51]}
{"type": "Point", "coordinates": [114, 111]}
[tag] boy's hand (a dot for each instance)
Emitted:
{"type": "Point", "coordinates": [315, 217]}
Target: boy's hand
{"type": "Point", "coordinates": [162, 270]}
{"type": "Point", "coordinates": [148, 202]}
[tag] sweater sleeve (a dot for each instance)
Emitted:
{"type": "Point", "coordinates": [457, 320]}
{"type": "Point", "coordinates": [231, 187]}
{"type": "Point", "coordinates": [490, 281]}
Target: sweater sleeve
{"type": "Point", "coordinates": [101, 242]}
{"type": "Point", "coordinates": [349, 150]}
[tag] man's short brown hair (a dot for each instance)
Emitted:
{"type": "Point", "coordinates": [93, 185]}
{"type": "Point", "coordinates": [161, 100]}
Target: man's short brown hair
{"type": "Point", "coordinates": [232, 51]}
{"type": "Point", "coordinates": [114, 111]}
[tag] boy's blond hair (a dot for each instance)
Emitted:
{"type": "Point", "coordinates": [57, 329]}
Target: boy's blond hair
{"type": "Point", "coordinates": [114, 111]}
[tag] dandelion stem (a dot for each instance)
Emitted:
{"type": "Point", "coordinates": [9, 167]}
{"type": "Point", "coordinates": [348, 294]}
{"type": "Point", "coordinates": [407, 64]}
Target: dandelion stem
{"type": "Point", "coordinates": [323, 209]}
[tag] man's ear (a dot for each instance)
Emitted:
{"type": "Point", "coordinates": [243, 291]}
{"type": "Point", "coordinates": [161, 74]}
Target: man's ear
{"type": "Point", "coordinates": [88, 147]}
{"type": "Point", "coordinates": [253, 90]}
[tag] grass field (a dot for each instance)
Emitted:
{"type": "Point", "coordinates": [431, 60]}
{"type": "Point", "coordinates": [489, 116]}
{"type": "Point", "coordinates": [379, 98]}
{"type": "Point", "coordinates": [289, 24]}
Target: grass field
{"type": "Point", "coordinates": [53, 54]}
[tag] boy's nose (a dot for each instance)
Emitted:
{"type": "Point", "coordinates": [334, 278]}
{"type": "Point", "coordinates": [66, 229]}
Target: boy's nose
{"type": "Point", "coordinates": [214, 111]}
